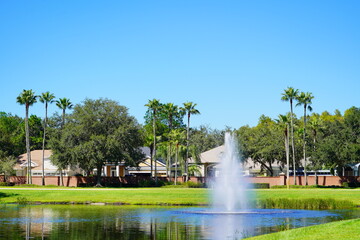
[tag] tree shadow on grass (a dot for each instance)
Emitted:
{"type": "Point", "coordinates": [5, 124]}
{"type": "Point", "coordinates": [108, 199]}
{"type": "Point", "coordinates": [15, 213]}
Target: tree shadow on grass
{"type": "Point", "coordinates": [4, 195]}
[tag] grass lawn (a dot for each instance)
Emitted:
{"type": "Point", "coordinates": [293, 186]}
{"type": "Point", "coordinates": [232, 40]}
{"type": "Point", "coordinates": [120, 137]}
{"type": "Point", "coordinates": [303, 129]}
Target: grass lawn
{"type": "Point", "coordinates": [348, 229]}
{"type": "Point", "coordinates": [184, 196]}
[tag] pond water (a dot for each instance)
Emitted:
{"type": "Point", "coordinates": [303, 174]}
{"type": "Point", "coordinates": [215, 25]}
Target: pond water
{"type": "Point", "coordinates": [131, 222]}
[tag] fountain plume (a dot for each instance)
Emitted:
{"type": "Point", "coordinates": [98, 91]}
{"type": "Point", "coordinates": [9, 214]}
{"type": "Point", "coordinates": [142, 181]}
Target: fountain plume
{"type": "Point", "coordinates": [229, 184]}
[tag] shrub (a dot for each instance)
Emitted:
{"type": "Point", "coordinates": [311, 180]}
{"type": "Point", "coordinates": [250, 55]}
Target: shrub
{"type": "Point", "coordinates": [6, 184]}
{"type": "Point", "coordinates": [150, 183]}
{"type": "Point", "coordinates": [296, 186]}
{"type": "Point", "coordinates": [260, 185]}
{"type": "Point", "coordinates": [190, 184]}
{"type": "Point", "coordinates": [22, 200]}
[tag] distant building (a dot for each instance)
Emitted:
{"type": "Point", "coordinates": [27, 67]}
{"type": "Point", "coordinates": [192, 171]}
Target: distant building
{"type": "Point", "coordinates": [210, 160]}
{"type": "Point", "coordinates": [143, 169]}
{"type": "Point", "coordinates": [21, 165]}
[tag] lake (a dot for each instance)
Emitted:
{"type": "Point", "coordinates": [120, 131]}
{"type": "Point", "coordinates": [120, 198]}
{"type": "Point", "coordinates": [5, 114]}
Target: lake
{"type": "Point", "coordinates": [135, 222]}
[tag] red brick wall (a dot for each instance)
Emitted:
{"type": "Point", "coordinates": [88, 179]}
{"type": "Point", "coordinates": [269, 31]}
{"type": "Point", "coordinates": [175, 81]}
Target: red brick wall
{"type": "Point", "coordinates": [281, 180]}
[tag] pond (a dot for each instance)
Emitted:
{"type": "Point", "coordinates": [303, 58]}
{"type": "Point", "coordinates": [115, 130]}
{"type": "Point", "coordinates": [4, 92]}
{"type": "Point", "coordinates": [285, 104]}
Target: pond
{"type": "Point", "coordinates": [131, 222]}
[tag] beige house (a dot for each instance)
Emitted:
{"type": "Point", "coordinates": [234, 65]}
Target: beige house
{"type": "Point", "coordinates": [21, 165]}
{"type": "Point", "coordinates": [144, 167]}
{"type": "Point", "coordinates": [210, 160]}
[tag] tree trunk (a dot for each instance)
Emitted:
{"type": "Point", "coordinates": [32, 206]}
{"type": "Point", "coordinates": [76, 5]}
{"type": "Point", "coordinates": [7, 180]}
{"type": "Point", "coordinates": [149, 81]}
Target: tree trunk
{"type": "Point", "coordinates": [154, 147]}
{"type": "Point", "coordinates": [287, 150]}
{"type": "Point", "coordinates": [168, 170]}
{"type": "Point", "coordinates": [187, 149]}
{"type": "Point", "coordinates": [304, 146]}
{"type": "Point", "coordinates": [98, 176]}
{"type": "Point", "coordinates": [63, 118]}
{"type": "Point", "coordinates": [29, 178]}
{"type": "Point", "coordinates": [176, 162]}
{"type": "Point", "coordinates": [151, 160]}
{"type": "Point", "coordinates": [292, 142]}
{"type": "Point", "coordinates": [61, 177]}
{"type": "Point", "coordinates": [43, 147]}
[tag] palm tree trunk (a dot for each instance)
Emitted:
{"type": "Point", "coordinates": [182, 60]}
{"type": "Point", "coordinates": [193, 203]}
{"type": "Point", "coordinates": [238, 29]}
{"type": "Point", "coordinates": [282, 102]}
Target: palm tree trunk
{"type": "Point", "coordinates": [304, 146]}
{"type": "Point", "coordinates": [168, 163]}
{"type": "Point", "coordinates": [29, 178]}
{"type": "Point", "coordinates": [63, 118]}
{"type": "Point", "coordinates": [187, 149]}
{"type": "Point", "coordinates": [154, 147]}
{"type": "Point", "coordinates": [316, 167]}
{"type": "Point", "coordinates": [292, 142]}
{"type": "Point", "coordinates": [287, 155]}
{"type": "Point", "coordinates": [43, 147]}
{"type": "Point", "coordinates": [151, 159]}
{"type": "Point", "coordinates": [176, 162]}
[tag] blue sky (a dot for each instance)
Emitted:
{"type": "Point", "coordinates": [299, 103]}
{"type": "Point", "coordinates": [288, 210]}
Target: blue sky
{"type": "Point", "coordinates": [232, 58]}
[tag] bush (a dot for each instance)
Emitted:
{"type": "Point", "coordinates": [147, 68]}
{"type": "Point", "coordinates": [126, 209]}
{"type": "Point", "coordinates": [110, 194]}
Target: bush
{"type": "Point", "coordinates": [190, 184]}
{"type": "Point", "coordinates": [150, 183]}
{"type": "Point", "coordinates": [296, 186]}
{"type": "Point", "coordinates": [22, 200]}
{"type": "Point", "coordinates": [6, 184]}
{"type": "Point", "coordinates": [260, 185]}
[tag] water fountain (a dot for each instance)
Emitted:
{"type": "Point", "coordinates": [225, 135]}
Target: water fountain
{"type": "Point", "coordinates": [229, 185]}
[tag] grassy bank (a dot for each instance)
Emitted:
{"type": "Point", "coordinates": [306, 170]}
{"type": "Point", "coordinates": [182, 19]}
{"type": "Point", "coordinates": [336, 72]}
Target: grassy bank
{"type": "Point", "coordinates": [348, 230]}
{"type": "Point", "coordinates": [268, 198]}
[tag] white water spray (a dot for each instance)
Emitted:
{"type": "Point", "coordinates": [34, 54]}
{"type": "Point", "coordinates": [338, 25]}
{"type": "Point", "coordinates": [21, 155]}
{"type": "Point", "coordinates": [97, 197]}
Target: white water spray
{"type": "Point", "coordinates": [230, 185]}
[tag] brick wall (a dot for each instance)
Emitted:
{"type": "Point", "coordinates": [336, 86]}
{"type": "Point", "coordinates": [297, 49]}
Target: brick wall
{"type": "Point", "coordinates": [131, 180]}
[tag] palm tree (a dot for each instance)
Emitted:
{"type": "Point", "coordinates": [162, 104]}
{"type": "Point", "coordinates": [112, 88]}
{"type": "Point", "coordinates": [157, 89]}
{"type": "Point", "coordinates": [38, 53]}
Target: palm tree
{"type": "Point", "coordinates": [177, 137]}
{"type": "Point", "coordinates": [154, 105]}
{"type": "Point", "coordinates": [289, 95]}
{"type": "Point", "coordinates": [189, 109]}
{"type": "Point", "coordinates": [27, 98]}
{"type": "Point", "coordinates": [284, 122]}
{"type": "Point", "coordinates": [46, 98]}
{"type": "Point", "coordinates": [170, 111]}
{"type": "Point", "coordinates": [315, 124]}
{"type": "Point", "coordinates": [63, 103]}
{"type": "Point", "coordinates": [305, 99]}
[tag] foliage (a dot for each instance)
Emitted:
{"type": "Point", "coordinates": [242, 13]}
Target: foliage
{"type": "Point", "coordinates": [98, 131]}
{"type": "Point", "coordinates": [12, 134]}
{"type": "Point", "coordinates": [262, 143]}
{"type": "Point", "coordinates": [22, 200]}
{"type": "Point", "coordinates": [7, 164]}
{"type": "Point", "coordinates": [204, 138]}
{"type": "Point", "coordinates": [260, 185]}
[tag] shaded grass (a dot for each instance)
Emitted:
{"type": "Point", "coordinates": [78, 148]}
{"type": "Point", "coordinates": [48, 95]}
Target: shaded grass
{"type": "Point", "coordinates": [348, 230]}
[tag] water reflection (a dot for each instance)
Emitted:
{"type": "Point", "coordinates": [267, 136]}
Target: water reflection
{"type": "Point", "coordinates": [114, 222]}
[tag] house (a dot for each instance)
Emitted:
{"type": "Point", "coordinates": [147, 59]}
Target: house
{"type": "Point", "coordinates": [350, 170]}
{"type": "Point", "coordinates": [143, 169]}
{"type": "Point", "coordinates": [210, 160]}
{"type": "Point", "coordinates": [21, 165]}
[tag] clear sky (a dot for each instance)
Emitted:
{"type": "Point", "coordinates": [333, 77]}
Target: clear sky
{"type": "Point", "coordinates": [232, 58]}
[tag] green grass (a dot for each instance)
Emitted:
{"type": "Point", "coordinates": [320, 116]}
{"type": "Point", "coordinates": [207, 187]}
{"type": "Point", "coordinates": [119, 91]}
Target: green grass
{"type": "Point", "coordinates": [184, 196]}
{"type": "Point", "coordinates": [348, 230]}
{"type": "Point", "coordinates": [269, 198]}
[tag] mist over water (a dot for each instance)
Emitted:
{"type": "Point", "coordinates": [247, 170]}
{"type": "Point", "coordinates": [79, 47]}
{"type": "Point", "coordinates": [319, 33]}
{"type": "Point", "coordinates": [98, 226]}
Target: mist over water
{"type": "Point", "coordinates": [229, 185]}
